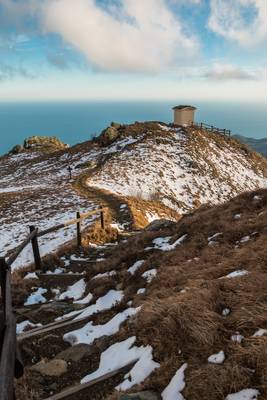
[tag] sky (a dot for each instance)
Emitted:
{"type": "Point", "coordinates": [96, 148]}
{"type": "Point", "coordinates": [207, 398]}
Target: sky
{"type": "Point", "coordinates": [73, 50]}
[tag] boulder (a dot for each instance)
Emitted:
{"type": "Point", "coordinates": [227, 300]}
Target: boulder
{"type": "Point", "coordinates": [51, 368]}
{"type": "Point", "coordinates": [146, 395]}
{"type": "Point", "coordinates": [109, 135]}
{"type": "Point", "coordinates": [76, 353]}
{"type": "Point", "coordinates": [159, 224]}
{"type": "Point", "coordinates": [44, 143]}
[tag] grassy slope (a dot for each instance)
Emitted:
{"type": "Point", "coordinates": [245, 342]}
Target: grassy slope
{"type": "Point", "coordinates": [189, 326]}
{"type": "Point", "coordinates": [181, 315]}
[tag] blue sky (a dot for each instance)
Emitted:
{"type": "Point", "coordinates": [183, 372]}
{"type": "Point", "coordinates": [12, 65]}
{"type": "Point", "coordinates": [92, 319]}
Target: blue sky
{"type": "Point", "coordinates": [133, 49]}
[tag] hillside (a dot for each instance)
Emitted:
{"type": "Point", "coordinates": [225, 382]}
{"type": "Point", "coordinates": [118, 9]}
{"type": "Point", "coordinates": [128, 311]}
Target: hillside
{"type": "Point", "coordinates": [150, 169]}
{"type": "Point", "coordinates": [181, 167]}
{"type": "Point", "coordinates": [179, 312]}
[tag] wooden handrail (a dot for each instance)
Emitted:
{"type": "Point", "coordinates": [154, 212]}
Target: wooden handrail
{"type": "Point", "coordinates": [70, 222]}
{"type": "Point", "coordinates": [212, 128]}
{"type": "Point", "coordinates": [8, 343]}
{"type": "Point", "coordinates": [21, 247]}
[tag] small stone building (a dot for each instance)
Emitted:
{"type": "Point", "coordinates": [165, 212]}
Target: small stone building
{"type": "Point", "coordinates": [184, 115]}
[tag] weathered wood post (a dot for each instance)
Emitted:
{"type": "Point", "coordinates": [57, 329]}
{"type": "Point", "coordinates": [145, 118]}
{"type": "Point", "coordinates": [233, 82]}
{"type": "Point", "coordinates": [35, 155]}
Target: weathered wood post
{"type": "Point", "coordinates": [35, 249]}
{"type": "Point", "coordinates": [3, 273]}
{"type": "Point", "coordinates": [79, 235]}
{"type": "Point", "coordinates": [70, 172]}
{"type": "Point", "coordinates": [102, 219]}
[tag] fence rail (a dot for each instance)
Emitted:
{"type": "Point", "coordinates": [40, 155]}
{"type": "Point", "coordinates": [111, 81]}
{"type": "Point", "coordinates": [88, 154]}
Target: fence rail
{"type": "Point", "coordinates": [212, 128]}
{"type": "Point", "coordinates": [10, 362]}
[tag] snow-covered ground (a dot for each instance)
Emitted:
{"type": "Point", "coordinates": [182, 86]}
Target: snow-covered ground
{"type": "Point", "coordinates": [36, 191]}
{"type": "Point", "coordinates": [180, 170]}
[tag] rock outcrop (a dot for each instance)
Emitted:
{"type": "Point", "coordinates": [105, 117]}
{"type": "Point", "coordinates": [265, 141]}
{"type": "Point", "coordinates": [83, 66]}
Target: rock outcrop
{"type": "Point", "coordinates": [44, 143]}
{"type": "Point", "coordinates": [110, 134]}
{"type": "Point", "coordinates": [47, 144]}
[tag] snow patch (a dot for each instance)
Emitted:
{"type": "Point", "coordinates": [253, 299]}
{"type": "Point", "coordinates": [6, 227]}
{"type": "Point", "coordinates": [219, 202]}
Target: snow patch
{"type": "Point", "coordinates": [20, 328]}
{"type": "Point", "coordinates": [75, 291]}
{"type": "Point", "coordinates": [103, 303]}
{"type": "Point", "coordinates": [88, 333]}
{"type": "Point", "coordinates": [176, 386]}
{"type": "Point", "coordinates": [217, 358]}
{"type": "Point", "coordinates": [121, 354]}
{"type": "Point", "coordinates": [260, 333]}
{"type": "Point", "coordinates": [104, 275]}
{"type": "Point", "coordinates": [246, 394]}
{"type": "Point", "coordinates": [132, 270]}
{"type": "Point", "coordinates": [36, 297]}
{"type": "Point", "coordinates": [31, 275]}
{"type": "Point", "coordinates": [235, 274]}
{"type": "Point", "coordinates": [162, 243]}
{"type": "Point", "coordinates": [149, 275]}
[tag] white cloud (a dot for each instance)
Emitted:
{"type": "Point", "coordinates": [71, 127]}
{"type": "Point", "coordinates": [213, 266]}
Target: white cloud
{"type": "Point", "coordinates": [243, 21]}
{"type": "Point", "coordinates": [136, 36]}
{"type": "Point", "coordinates": [230, 72]}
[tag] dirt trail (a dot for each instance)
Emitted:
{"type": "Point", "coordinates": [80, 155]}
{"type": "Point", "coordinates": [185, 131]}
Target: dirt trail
{"type": "Point", "coordinates": [118, 207]}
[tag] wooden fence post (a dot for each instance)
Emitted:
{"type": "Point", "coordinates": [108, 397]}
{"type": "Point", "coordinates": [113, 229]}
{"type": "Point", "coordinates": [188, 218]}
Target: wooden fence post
{"type": "Point", "coordinates": [79, 235]}
{"type": "Point", "coordinates": [36, 251]}
{"type": "Point", "coordinates": [3, 272]}
{"type": "Point", "coordinates": [102, 219]}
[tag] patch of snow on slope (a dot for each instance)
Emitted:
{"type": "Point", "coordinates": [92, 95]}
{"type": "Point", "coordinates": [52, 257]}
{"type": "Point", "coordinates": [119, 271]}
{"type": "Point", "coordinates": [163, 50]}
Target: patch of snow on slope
{"type": "Point", "coordinates": [132, 270]}
{"type": "Point", "coordinates": [121, 354]}
{"type": "Point", "coordinates": [162, 243]}
{"type": "Point", "coordinates": [260, 332]}
{"type": "Point", "coordinates": [246, 394]}
{"type": "Point", "coordinates": [105, 274]}
{"type": "Point", "coordinates": [236, 274]}
{"type": "Point", "coordinates": [88, 333]}
{"type": "Point", "coordinates": [106, 302]}
{"type": "Point", "coordinates": [36, 297]}
{"type": "Point", "coordinates": [57, 271]}
{"type": "Point", "coordinates": [176, 386]}
{"type": "Point", "coordinates": [237, 338]}
{"type": "Point", "coordinates": [74, 291]}
{"type": "Point", "coordinates": [217, 358]}
{"type": "Point", "coordinates": [20, 328]}
{"type": "Point", "coordinates": [85, 300]}
{"type": "Point", "coordinates": [149, 275]}
{"type": "Point", "coordinates": [31, 275]}
{"type": "Point", "coordinates": [141, 291]}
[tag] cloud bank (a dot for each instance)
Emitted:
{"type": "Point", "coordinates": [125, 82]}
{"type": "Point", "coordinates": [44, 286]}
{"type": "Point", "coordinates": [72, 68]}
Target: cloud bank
{"type": "Point", "coordinates": [132, 36]}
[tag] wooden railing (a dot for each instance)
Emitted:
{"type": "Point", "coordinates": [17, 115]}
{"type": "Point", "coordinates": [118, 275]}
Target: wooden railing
{"type": "Point", "coordinates": [212, 128]}
{"type": "Point", "coordinates": [10, 363]}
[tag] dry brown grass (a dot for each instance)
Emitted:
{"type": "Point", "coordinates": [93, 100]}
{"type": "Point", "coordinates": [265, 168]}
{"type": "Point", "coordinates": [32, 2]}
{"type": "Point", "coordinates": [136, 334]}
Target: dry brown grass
{"type": "Point", "coordinates": [189, 326]}
{"type": "Point", "coordinates": [24, 389]}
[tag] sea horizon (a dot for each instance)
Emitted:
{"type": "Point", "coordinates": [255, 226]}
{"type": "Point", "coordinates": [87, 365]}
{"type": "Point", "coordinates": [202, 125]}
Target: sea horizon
{"type": "Point", "coordinates": [79, 121]}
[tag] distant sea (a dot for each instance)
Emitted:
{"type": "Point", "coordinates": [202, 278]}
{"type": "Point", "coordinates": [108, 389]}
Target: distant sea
{"type": "Point", "coordinates": [77, 122]}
